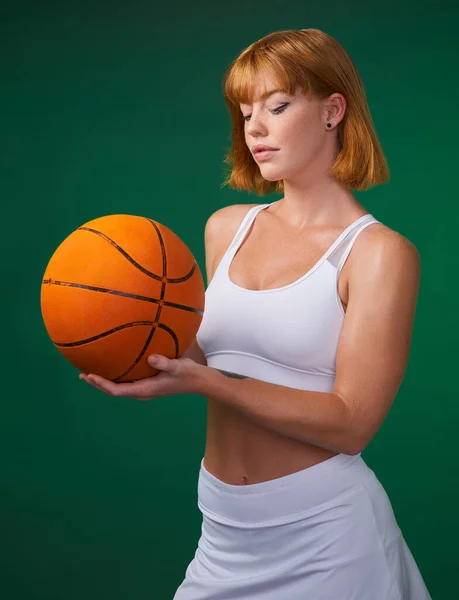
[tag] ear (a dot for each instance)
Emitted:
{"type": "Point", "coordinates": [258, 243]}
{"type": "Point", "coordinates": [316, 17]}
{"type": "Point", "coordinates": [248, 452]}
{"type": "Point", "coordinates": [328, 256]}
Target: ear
{"type": "Point", "coordinates": [334, 109]}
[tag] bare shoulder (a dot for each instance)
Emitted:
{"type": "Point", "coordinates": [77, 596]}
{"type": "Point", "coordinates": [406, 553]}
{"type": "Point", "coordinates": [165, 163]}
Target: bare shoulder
{"type": "Point", "coordinates": [226, 217]}
{"type": "Point", "coordinates": [380, 236]}
{"type": "Point", "coordinates": [379, 248]}
{"type": "Point", "coordinates": [220, 229]}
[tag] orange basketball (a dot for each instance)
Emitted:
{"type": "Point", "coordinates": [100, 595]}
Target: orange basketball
{"type": "Point", "coordinates": [118, 289]}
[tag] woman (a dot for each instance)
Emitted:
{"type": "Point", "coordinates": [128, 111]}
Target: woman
{"type": "Point", "coordinates": [303, 344]}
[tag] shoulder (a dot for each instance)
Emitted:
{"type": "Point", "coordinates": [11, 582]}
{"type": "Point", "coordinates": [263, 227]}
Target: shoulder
{"type": "Point", "coordinates": [379, 238]}
{"type": "Point", "coordinates": [222, 225]}
{"type": "Point", "coordinates": [219, 230]}
{"type": "Point", "coordinates": [228, 217]}
{"type": "Point", "coordinates": [380, 252]}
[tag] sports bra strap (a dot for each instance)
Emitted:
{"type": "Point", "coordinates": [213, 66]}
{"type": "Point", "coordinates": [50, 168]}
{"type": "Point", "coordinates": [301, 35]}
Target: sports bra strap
{"type": "Point", "coordinates": [341, 252]}
{"type": "Point", "coordinates": [245, 223]}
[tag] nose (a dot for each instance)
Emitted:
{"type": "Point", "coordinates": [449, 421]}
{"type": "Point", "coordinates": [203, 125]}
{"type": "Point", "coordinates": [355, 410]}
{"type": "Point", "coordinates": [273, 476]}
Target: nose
{"type": "Point", "coordinates": [256, 126]}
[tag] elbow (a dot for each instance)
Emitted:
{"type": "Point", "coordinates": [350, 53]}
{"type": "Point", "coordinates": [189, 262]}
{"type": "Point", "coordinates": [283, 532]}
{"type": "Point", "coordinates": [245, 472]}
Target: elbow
{"type": "Point", "coordinates": [348, 437]}
{"type": "Point", "coordinates": [349, 446]}
{"type": "Point", "coordinates": [346, 442]}
{"type": "Point", "coordinates": [355, 443]}
{"type": "Point", "coordinates": [354, 450]}
{"type": "Point", "coordinates": [354, 437]}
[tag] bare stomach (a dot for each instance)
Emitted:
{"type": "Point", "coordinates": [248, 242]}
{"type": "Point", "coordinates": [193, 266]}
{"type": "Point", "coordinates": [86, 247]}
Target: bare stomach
{"type": "Point", "coordinates": [241, 452]}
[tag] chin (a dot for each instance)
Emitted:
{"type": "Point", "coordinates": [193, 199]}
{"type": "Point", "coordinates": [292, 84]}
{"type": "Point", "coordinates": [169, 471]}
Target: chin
{"type": "Point", "coordinates": [272, 176]}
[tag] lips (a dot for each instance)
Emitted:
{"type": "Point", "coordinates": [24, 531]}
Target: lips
{"type": "Point", "coordinates": [262, 148]}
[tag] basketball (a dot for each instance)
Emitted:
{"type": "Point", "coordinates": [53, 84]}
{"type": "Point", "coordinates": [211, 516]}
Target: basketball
{"type": "Point", "coordinates": [120, 288]}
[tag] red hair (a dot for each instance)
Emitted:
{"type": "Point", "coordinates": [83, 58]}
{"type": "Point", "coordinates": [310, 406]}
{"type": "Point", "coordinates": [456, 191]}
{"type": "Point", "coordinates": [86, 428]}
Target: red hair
{"type": "Point", "coordinates": [318, 65]}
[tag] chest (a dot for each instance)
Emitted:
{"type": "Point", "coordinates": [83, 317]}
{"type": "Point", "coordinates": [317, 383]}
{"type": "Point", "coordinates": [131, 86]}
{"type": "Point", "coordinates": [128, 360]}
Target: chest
{"type": "Point", "coordinates": [268, 259]}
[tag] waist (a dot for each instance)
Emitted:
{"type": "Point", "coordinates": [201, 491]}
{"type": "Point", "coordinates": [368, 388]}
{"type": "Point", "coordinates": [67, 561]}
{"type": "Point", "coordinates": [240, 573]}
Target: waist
{"type": "Point", "coordinates": [237, 447]}
{"type": "Point", "coordinates": [284, 499]}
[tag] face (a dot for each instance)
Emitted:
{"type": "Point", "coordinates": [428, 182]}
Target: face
{"type": "Point", "coordinates": [294, 125]}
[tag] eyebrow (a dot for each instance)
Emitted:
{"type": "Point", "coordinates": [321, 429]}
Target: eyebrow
{"type": "Point", "coordinates": [269, 93]}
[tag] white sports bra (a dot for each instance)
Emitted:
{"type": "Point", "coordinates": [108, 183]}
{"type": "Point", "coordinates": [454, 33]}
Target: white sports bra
{"type": "Point", "coordinates": [286, 335]}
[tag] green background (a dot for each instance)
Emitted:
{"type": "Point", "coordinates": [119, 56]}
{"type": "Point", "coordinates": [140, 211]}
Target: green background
{"type": "Point", "coordinates": [112, 107]}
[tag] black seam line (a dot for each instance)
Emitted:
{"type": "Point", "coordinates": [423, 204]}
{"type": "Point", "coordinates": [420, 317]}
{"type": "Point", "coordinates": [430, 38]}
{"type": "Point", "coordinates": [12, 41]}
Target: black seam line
{"type": "Point", "coordinates": [144, 349]}
{"type": "Point", "coordinates": [145, 346]}
{"type": "Point", "coordinates": [114, 330]}
{"type": "Point", "coordinates": [135, 263]}
{"type": "Point", "coordinates": [146, 343]}
{"type": "Point", "coordinates": [160, 306]}
{"type": "Point", "coordinates": [102, 335]}
{"type": "Point", "coordinates": [161, 243]}
{"type": "Point", "coordinates": [141, 353]}
{"type": "Point", "coordinates": [94, 288]}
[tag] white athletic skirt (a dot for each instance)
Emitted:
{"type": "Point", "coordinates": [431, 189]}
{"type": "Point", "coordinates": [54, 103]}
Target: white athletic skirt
{"type": "Point", "coordinates": [327, 532]}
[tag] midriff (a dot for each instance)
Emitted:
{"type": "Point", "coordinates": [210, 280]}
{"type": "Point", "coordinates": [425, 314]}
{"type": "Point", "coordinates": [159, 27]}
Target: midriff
{"type": "Point", "coordinates": [240, 452]}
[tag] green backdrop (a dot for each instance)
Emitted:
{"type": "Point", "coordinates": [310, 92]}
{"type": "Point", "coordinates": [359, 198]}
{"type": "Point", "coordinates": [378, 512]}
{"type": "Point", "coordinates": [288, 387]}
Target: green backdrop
{"type": "Point", "coordinates": [112, 107]}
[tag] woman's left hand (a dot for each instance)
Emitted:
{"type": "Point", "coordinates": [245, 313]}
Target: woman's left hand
{"type": "Point", "coordinates": [177, 376]}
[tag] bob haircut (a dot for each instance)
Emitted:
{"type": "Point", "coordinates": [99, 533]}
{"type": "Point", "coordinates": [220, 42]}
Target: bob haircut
{"type": "Point", "coordinates": [318, 65]}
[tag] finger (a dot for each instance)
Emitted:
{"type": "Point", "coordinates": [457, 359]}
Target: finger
{"type": "Point", "coordinates": [117, 389]}
{"type": "Point", "coordinates": [105, 385]}
{"type": "Point", "coordinates": [96, 384]}
{"type": "Point", "coordinates": [96, 380]}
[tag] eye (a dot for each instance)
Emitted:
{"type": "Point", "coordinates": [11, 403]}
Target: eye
{"type": "Point", "coordinates": [275, 111]}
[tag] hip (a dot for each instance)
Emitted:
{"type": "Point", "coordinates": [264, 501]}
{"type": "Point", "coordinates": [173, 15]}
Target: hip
{"type": "Point", "coordinates": [296, 531]}
{"type": "Point", "coordinates": [326, 532]}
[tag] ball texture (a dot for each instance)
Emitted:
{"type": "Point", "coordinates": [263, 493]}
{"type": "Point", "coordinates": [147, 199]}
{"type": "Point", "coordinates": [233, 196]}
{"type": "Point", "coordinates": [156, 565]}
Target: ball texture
{"type": "Point", "coordinates": [117, 289]}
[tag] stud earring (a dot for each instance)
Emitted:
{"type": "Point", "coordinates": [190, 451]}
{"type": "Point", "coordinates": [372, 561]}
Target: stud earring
{"type": "Point", "coordinates": [328, 124]}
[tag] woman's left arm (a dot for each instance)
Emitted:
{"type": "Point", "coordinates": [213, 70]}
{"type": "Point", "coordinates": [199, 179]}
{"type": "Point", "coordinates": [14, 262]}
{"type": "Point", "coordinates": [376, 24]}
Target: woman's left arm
{"type": "Point", "coordinates": [371, 358]}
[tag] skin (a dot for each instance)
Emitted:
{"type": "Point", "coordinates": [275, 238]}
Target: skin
{"type": "Point", "coordinates": [175, 376]}
{"type": "Point", "coordinates": [307, 149]}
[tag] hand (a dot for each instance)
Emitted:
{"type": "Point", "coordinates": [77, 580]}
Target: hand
{"type": "Point", "coordinates": [177, 376]}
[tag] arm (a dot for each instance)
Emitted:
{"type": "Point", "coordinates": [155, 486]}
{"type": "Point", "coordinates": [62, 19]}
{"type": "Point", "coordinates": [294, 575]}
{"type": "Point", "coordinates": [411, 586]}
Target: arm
{"type": "Point", "coordinates": [371, 358]}
{"type": "Point", "coordinates": [319, 418]}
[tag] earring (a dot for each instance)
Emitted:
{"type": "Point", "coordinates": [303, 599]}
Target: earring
{"type": "Point", "coordinates": [328, 124]}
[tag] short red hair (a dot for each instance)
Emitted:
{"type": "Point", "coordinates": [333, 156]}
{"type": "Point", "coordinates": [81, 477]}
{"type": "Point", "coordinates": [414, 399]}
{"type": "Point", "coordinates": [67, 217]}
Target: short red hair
{"type": "Point", "coordinates": [318, 65]}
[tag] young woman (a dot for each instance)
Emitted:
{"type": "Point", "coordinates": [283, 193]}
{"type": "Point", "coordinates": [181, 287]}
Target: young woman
{"type": "Point", "coordinates": [303, 344]}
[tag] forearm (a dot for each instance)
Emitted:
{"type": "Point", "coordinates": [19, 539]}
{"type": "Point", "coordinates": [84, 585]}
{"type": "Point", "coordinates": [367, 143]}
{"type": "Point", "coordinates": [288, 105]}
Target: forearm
{"type": "Point", "coordinates": [319, 418]}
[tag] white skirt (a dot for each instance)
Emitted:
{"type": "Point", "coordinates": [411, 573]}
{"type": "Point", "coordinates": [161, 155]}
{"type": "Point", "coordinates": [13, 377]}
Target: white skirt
{"type": "Point", "coordinates": [327, 532]}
